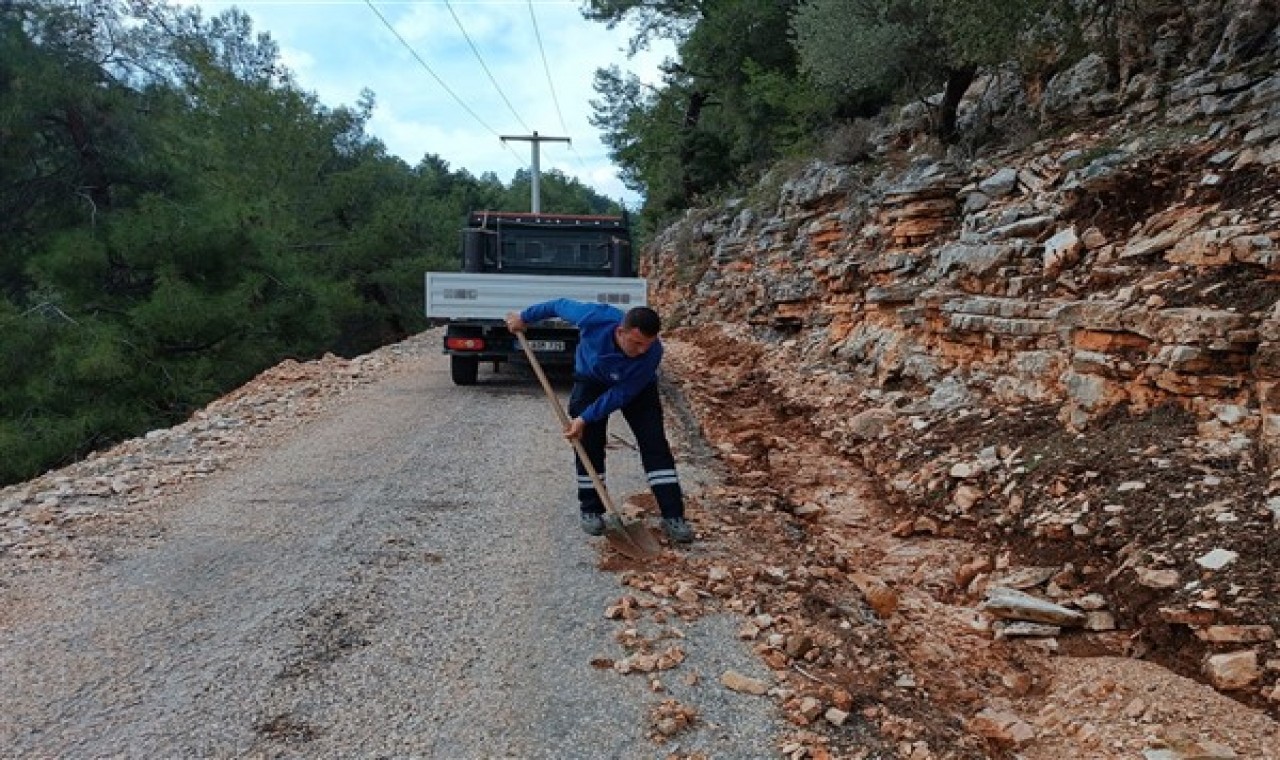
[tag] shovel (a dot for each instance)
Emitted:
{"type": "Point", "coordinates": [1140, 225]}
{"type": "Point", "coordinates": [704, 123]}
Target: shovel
{"type": "Point", "coordinates": [632, 539]}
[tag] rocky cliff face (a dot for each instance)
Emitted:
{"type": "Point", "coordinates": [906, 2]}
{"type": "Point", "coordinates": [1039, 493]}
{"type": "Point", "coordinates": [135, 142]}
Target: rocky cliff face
{"type": "Point", "coordinates": [1070, 349]}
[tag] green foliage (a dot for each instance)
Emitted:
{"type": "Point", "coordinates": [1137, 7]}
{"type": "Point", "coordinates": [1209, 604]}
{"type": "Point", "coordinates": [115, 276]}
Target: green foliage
{"type": "Point", "coordinates": [874, 44]}
{"type": "Point", "coordinates": [733, 103]}
{"type": "Point", "coordinates": [176, 216]}
{"type": "Point", "coordinates": [557, 191]}
{"type": "Point", "coordinates": [671, 19]}
{"type": "Point", "coordinates": [759, 80]}
{"type": "Point", "coordinates": [878, 47]}
{"type": "Point", "coordinates": [638, 128]}
{"type": "Point", "coordinates": [743, 92]}
{"type": "Point", "coordinates": [866, 45]}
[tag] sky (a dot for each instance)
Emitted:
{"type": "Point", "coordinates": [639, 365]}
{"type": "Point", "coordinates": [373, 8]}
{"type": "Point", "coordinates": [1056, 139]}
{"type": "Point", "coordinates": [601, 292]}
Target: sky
{"type": "Point", "coordinates": [447, 104]}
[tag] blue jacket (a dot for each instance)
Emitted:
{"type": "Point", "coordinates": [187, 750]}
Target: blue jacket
{"type": "Point", "coordinates": [598, 357]}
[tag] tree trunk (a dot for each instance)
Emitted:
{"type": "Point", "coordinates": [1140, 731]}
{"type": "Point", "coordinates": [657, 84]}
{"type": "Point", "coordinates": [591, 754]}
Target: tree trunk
{"type": "Point", "coordinates": [692, 114]}
{"type": "Point", "coordinates": [958, 80]}
{"type": "Point", "coordinates": [96, 182]}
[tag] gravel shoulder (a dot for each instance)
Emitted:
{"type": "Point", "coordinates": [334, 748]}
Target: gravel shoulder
{"type": "Point", "coordinates": [400, 574]}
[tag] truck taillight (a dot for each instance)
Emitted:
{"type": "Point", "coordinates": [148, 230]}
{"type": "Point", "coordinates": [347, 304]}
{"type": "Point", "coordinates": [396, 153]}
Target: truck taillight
{"type": "Point", "coordinates": [464, 344]}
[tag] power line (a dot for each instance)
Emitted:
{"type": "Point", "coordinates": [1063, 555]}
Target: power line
{"type": "Point", "coordinates": [537, 33]}
{"type": "Point", "coordinates": [484, 66]}
{"type": "Point", "coordinates": [547, 69]}
{"type": "Point", "coordinates": [436, 76]}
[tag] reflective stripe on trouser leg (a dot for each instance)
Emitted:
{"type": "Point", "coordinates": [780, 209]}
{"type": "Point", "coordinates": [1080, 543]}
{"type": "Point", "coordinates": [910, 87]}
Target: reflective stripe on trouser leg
{"type": "Point", "coordinates": [644, 414]}
{"type": "Point", "coordinates": [588, 498]}
{"type": "Point", "coordinates": [666, 489]}
{"type": "Point", "coordinates": [593, 441]}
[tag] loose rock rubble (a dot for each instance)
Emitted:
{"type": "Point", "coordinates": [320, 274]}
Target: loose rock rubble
{"type": "Point", "coordinates": [885, 641]}
{"type": "Point", "coordinates": [60, 514]}
{"type": "Point", "coordinates": [670, 719]}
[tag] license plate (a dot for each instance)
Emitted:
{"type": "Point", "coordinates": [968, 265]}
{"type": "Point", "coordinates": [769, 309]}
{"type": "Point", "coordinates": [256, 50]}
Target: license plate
{"type": "Point", "coordinates": [546, 345]}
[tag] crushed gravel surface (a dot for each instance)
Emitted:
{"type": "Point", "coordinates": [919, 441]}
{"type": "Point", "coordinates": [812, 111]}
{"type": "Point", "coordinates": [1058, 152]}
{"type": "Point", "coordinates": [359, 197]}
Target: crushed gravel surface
{"type": "Point", "coordinates": [399, 574]}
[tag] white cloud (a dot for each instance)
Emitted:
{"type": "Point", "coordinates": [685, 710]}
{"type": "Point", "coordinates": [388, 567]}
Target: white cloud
{"type": "Point", "coordinates": [300, 62]}
{"type": "Point", "coordinates": [463, 146]}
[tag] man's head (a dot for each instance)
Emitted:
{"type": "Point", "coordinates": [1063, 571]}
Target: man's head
{"type": "Point", "coordinates": [638, 331]}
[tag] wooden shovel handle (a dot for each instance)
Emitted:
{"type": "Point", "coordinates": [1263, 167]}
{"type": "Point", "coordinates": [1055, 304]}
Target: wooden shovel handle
{"type": "Point", "coordinates": [564, 423]}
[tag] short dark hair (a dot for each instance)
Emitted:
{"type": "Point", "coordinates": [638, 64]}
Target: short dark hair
{"type": "Point", "coordinates": [644, 319]}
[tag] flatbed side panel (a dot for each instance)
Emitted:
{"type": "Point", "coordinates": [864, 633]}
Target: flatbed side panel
{"type": "Point", "coordinates": [463, 295]}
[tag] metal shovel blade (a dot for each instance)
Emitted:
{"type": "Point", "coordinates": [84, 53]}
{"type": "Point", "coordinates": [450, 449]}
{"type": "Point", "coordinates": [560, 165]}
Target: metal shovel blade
{"type": "Point", "coordinates": [630, 539]}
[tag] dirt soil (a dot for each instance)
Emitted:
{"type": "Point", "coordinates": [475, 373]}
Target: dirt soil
{"type": "Point", "coordinates": [869, 611]}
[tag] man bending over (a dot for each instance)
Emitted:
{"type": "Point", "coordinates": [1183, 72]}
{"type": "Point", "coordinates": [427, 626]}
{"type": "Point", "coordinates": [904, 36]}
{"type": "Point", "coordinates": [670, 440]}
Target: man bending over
{"type": "Point", "coordinates": [616, 369]}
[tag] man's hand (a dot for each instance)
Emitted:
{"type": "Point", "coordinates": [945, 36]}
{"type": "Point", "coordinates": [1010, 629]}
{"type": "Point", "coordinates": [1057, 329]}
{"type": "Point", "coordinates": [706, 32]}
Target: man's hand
{"type": "Point", "coordinates": [576, 426]}
{"type": "Point", "coordinates": [514, 323]}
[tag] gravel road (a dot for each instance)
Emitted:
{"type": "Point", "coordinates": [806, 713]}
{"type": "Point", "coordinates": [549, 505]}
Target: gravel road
{"type": "Point", "coordinates": [403, 576]}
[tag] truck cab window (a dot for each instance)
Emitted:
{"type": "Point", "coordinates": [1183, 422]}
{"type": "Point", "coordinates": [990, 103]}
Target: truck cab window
{"type": "Point", "coordinates": [593, 255]}
{"type": "Point", "coordinates": [563, 254]}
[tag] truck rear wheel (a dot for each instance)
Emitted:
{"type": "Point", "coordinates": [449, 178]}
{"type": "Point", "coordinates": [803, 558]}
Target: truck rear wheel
{"type": "Point", "coordinates": [464, 369]}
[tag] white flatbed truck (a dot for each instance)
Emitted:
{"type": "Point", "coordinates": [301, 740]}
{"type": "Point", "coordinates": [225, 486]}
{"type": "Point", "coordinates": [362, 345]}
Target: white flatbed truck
{"type": "Point", "coordinates": [512, 260]}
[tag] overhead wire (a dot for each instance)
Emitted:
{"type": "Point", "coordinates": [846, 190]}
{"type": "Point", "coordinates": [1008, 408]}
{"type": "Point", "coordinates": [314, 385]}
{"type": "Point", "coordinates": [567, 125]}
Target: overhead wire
{"type": "Point", "coordinates": [484, 65]}
{"type": "Point", "coordinates": [439, 81]}
{"type": "Point", "coordinates": [537, 33]}
{"type": "Point", "coordinates": [493, 80]}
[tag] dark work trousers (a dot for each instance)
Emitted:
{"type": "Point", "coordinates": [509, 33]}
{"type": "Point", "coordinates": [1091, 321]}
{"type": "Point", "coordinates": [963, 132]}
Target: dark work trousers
{"type": "Point", "coordinates": [644, 415]}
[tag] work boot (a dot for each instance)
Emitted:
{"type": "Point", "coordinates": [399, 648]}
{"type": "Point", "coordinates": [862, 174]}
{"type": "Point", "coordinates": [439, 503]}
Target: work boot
{"type": "Point", "coordinates": [677, 529]}
{"type": "Point", "coordinates": [592, 523]}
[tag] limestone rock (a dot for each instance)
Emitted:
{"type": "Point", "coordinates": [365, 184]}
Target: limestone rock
{"type": "Point", "coordinates": [1002, 727]}
{"type": "Point", "coordinates": [738, 682]}
{"type": "Point", "coordinates": [1233, 670]}
{"type": "Point", "coordinates": [1011, 604]}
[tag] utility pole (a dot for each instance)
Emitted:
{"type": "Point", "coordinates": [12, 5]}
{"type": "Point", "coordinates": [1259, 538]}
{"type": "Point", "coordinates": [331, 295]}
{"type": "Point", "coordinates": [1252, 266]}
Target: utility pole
{"type": "Point", "coordinates": [536, 140]}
